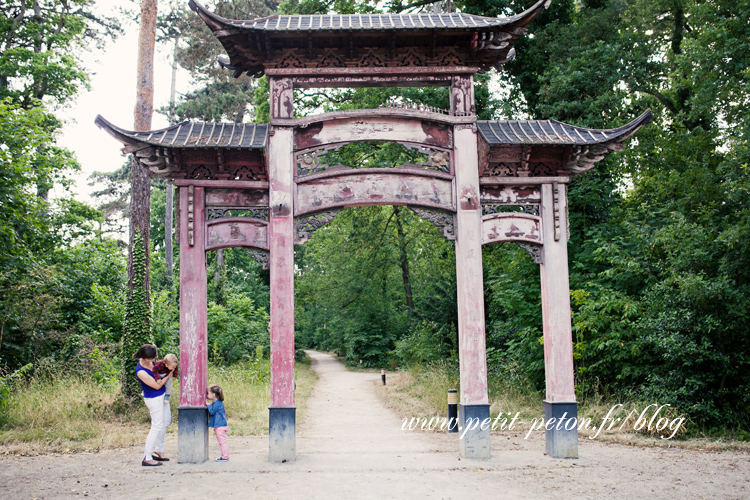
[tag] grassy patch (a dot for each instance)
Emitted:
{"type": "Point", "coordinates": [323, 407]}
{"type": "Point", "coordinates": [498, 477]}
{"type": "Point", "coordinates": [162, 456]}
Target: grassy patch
{"type": "Point", "coordinates": [66, 414]}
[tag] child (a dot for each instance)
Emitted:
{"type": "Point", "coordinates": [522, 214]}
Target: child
{"type": "Point", "coordinates": [218, 419]}
{"type": "Point", "coordinates": [162, 369]}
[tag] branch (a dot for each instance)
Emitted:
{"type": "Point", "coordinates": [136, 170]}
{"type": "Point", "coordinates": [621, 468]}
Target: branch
{"type": "Point", "coordinates": [415, 4]}
{"type": "Point", "coordinates": [655, 93]}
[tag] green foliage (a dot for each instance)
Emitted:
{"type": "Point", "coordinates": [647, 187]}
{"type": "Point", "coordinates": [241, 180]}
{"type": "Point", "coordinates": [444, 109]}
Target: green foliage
{"type": "Point", "coordinates": [236, 330]}
{"type": "Point", "coordinates": [137, 322]}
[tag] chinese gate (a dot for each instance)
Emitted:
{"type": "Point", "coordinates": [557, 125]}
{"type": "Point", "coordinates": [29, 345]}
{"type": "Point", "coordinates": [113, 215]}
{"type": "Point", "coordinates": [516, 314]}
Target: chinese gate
{"type": "Point", "coordinates": [275, 177]}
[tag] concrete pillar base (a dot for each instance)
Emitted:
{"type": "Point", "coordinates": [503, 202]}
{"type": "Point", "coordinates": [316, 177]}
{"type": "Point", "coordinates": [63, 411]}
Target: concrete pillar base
{"type": "Point", "coordinates": [474, 440]}
{"type": "Point", "coordinates": [561, 442]}
{"type": "Point", "coordinates": [282, 444]}
{"type": "Point", "coordinates": [192, 434]}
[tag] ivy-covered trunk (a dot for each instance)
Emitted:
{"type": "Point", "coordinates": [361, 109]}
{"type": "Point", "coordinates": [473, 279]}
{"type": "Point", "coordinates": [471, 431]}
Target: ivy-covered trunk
{"type": "Point", "coordinates": [137, 325]}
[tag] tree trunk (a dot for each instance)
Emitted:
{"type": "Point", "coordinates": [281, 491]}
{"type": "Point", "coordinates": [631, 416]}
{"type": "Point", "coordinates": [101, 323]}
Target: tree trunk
{"type": "Point", "coordinates": [140, 181]}
{"type": "Point", "coordinates": [405, 274]}
{"type": "Point", "coordinates": [169, 213]}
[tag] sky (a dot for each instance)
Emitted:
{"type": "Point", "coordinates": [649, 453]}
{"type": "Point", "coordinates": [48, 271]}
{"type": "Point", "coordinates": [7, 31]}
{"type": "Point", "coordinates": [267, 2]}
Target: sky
{"type": "Point", "coordinates": [112, 95]}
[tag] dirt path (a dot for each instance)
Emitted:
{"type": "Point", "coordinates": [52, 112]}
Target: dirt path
{"type": "Point", "coordinates": [352, 447]}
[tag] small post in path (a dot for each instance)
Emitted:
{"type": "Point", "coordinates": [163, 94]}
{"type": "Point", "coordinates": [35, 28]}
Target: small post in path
{"type": "Point", "coordinates": [452, 411]}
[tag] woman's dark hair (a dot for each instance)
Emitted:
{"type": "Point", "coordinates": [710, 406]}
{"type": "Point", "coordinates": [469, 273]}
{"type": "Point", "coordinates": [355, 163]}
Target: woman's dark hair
{"type": "Point", "coordinates": [147, 351]}
{"type": "Point", "coordinates": [217, 390]}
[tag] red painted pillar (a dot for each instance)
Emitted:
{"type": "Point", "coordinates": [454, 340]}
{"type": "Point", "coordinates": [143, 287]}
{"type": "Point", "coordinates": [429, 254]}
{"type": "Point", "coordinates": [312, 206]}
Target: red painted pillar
{"type": "Point", "coordinates": [474, 404]}
{"type": "Point", "coordinates": [560, 401]}
{"type": "Point", "coordinates": [192, 420]}
{"type": "Point", "coordinates": [282, 412]}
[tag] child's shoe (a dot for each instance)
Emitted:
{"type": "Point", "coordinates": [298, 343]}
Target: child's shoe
{"type": "Point", "coordinates": [222, 459]}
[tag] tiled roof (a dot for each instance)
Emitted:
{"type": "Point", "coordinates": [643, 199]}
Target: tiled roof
{"type": "Point", "coordinates": [369, 22]}
{"type": "Point", "coordinates": [530, 132]}
{"type": "Point", "coordinates": [194, 135]}
{"type": "Point", "coordinates": [363, 22]}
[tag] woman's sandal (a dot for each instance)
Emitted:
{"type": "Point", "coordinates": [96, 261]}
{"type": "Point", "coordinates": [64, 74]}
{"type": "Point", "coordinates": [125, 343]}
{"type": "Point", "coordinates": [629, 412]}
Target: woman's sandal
{"type": "Point", "coordinates": [160, 459]}
{"type": "Point", "coordinates": [146, 464]}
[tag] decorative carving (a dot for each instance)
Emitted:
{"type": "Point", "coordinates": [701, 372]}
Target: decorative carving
{"type": "Point", "coordinates": [200, 172]}
{"type": "Point", "coordinates": [444, 221]}
{"type": "Point", "coordinates": [415, 107]}
{"type": "Point", "coordinates": [370, 80]}
{"type": "Point", "coordinates": [318, 160]}
{"type": "Point", "coordinates": [331, 60]}
{"type": "Point", "coordinates": [260, 256]}
{"type": "Point", "coordinates": [450, 58]}
{"type": "Point", "coordinates": [490, 209]}
{"type": "Point", "coordinates": [311, 223]}
{"type": "Point", "coordinates": [191, 215]}
{"type": "Point", "coordinates": [502, 169]}
{"type": "Point", "coordinates": [310, 161]}
{"type": "Point", "coordinates": [282, 98]}
{"type": "Point", "coordinates": [412, 57]}
{"type": "Point", "coordinates": [254, 213]}
{"type": "Point", "coordinates": [542, 169]}
{"type": "Point", "coordinates": [371, 59]}
{"type": "Point", "coordinates": [244, 172]}
{"type": "Point", "coordinates": [534, 251]}
{"type": "Point", "coordinates": [462, 96]}
{"type": "Point", "coordinates": [290, 59]}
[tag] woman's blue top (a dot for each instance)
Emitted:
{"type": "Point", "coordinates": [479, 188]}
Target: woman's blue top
{"type": "Point", "coordinates": [217, 415]}
{"type": "Point", "coordinates": [148, 392]}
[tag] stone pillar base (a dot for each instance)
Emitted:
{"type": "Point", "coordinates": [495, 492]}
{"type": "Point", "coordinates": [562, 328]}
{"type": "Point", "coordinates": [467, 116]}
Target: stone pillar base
{"type": "Point", "coordinates": [561, 442]}
{"type": "Point", "coordinates": [282, 444]}
{"type": "Point", "coordinates": [192, 434]}
{"type": "Point", "coordinates": [474, 440]}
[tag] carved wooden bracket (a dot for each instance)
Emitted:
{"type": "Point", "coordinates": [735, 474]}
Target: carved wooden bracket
{"type": "Point", "coordinates": [444, 221]}
{"type": "Point", "coordinates": [305, 226]}
{"type": "Point", "coordinates": [534, 251]}
{"type": "Point", "coordinates": [260, 256]}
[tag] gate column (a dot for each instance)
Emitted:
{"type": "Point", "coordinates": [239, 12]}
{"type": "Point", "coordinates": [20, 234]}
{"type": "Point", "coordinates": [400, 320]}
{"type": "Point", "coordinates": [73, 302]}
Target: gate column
{"type": "Point", "coordinates": [282, 412]}
{"type": "Point", "coordinates": [560, 402]}
{"type": "Point", "coordinates": [474, 408]}
{"type": "Point", "coordinates": [192, 416]}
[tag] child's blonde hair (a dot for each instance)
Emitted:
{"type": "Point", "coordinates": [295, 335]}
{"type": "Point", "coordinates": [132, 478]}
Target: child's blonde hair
{"type": "Point", "coordinates": [171, 358]}
{"type": "Point", "coordinates": [217, 391]}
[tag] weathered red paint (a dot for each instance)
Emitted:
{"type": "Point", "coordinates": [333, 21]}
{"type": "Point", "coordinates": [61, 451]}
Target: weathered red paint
{"type": "Point", "coordinates": [374, 127]}
{"type": "Point", "coordinates": [229, 184]}
{"type": "Point", "coordinates": [499, 228]}
{"type": "Point", "coordinates": [349, 188]}
{"type": "Point", "coordinates": [281, 266]}
{"type": "Point", "coordinates": [470, 290]}
{"type": "Point", "coordinates": [193, 296]}
{"type": "Point", "coordinates": [558, 335]}
{"type": "Point", "coordinates": [238, 198]}
{"type": "Point", "coordinates": [509, 194]}
{"type": "Point", "coordinates": [236, 232]}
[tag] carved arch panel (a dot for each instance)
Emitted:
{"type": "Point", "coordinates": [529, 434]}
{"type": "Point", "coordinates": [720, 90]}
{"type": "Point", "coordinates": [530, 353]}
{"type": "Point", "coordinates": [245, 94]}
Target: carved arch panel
{"type": "Point", "coordinates": [236, 232]}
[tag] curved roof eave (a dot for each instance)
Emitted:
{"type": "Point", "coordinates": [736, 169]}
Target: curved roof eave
{"type": "Point", "coordinates": [528, 132]}
{"type": "Point", "coordinates": [190, 134]}
{"type": "Point", "coordinates": [230, 26]}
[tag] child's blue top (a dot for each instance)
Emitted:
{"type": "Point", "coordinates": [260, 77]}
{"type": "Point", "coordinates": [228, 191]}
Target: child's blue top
{"type": "Point", "coordinates": [217, 415]}
{"type": "Point", "coordinates": [148, 392]}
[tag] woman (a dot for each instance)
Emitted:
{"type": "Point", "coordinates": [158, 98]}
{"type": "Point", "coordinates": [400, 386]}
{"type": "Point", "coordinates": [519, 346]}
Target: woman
{"type": "Point", "coordinates": [153, 396]}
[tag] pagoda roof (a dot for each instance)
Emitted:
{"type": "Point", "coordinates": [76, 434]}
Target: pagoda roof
{"type": "Point", "coordinates": [367, 40]}
{"type": "Point", "coordinates": [191, 134]}
{"type": "Point", "coordinates": [363, 22]}
{"type": "Point", "coordinates": [575, 149]}
{"type": "Point", "coordinates": [531, 132]}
